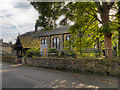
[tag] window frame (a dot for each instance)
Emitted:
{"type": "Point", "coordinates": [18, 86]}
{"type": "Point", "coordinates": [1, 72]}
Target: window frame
{"type": "Point", "coordinates": [67, 37]}
{"type": "Point", "coordinates": [56, 42]}
{"type": "Point", "coordinates": [43, 41]}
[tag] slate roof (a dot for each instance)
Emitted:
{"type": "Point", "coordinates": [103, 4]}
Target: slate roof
{"type": "Point", "coordinates": [5, 44]}
{"type": "Point", "coordinates": [59, 30]}
{"type": "Point", "coordinates": [29, 40]}
{"type": "Point", "coordinates": [28, 34]}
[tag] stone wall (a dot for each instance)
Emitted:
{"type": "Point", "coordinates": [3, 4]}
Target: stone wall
{"type": "Point", "coordinates": [12, 59]}
{"type": "Point", "coordinates": [8, 59]}
{"type": "Point", "coordinates": [100, 67]}
{"type": "Point", "coordinates": [109, 67]}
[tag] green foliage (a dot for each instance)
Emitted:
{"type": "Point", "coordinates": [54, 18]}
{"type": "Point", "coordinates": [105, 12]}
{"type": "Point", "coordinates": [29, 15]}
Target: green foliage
{"type": "Point", "coordinates": [69, 48]}
{"type": "Point", "coordinates": [49, 13]}
{"type": "Point", "coordinates": [118, 19]}
{"type": "Point", "coordinates": [86, 30]}
{"type": "Point", "coordinates": [33, 52]}
{"type": "Point", "coordinates": [62, 54]}
{"type": "Point", "coordinates": [53, 52]}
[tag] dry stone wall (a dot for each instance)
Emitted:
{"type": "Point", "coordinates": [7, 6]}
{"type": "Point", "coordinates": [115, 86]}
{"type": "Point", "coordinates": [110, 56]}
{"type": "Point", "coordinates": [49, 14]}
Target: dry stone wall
{"type": "Point", "coordinates": [101, 67]}
{"type": "Point", "coordinates": [8, 59]}
{"type": "Point", "coordinates": [109, 67]}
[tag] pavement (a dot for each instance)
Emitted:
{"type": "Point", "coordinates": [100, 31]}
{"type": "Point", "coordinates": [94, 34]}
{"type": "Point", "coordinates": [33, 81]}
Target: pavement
{"type": "Point", "coordinates": [20, 76]}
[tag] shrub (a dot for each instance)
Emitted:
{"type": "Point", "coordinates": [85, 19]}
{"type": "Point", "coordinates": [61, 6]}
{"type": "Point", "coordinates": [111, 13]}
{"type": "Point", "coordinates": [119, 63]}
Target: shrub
{"type": "Point", "coordinates": [52, 52]}
{"type": "Point", "coordinates": [62, 54]}
{"type": "Point", "coordinates": [33, 52]}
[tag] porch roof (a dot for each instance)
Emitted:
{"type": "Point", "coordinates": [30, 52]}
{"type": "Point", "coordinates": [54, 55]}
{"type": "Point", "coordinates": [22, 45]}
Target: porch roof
{"type": "Point", "coordinates": [29, 42]}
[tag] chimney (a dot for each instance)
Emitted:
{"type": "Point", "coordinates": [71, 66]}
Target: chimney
{"type": "Point", "coordinates": [10, 42]}
{"type": "Point", "coordinates": [1, 40]}
{"type": "Point", "coordinates": [35, 28]}
{"type": "Point", "coordinates": [18, 34]}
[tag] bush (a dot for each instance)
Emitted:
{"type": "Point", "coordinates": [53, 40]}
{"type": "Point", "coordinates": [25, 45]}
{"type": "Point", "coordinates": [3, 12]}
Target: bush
{"type": "Point", "coordinates": [33, 52]}
{"type": "Point", "coordinates": [62, 54]}
{"type": "Point", "coordinates": [68, 54]}
{"type": "Point", "coordinates": [52, 52]}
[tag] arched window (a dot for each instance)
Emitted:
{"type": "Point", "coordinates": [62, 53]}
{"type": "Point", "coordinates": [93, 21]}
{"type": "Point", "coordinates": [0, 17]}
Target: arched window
{"type": "Point", "coordinates": [43, 41]}
{"type": "Point", "coordinates": [56, 43]}
{"type": "Point", "coordinates": [67, 37]}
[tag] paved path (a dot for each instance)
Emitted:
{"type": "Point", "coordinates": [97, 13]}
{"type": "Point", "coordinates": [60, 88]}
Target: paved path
{"type": "Point", "coordinates": [19, 76]}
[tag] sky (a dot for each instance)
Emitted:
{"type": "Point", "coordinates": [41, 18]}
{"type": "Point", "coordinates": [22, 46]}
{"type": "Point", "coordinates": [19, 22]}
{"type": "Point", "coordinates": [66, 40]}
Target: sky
{"type": "Point", "coordinates": [16, 16]}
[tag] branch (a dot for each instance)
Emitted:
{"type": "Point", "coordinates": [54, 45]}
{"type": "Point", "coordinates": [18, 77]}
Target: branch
{"type": "Point", "coordinates": [98, 20]}
{"type": "Point", "coordinates": [89, 23]}
{"type": "Point", "coordinates": [98, 6]}
{"type": "Point", "coordinates": [113, 15]}
{"type": "Point", "coordinates": [93, 7]}
{"type": "Point", "coordinates": [95, 16]}
{"type": "Point", "coordinates": [89, 13]}
{"type": "Point", "coordinates": [105, 4]}
{"type": "Point", "coordinates": [111, 4]}
{"type": "Point", "coordinates": [93, 41]}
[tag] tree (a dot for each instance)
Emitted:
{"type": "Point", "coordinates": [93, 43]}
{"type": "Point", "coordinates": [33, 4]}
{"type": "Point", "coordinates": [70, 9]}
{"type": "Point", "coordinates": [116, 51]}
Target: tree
{"type": "Point", "coordinates": [103, 9]}
{"type": "Point", "coordinates": [85, 30]}
{"type": "Point", "coordinates": [50, 12]}
{"type": "Point", "coordinates": [104, 13]}
{"type": "Point", "coordinates": [119, 28]}
{"type": "Point", "coordinates": [116, 25]}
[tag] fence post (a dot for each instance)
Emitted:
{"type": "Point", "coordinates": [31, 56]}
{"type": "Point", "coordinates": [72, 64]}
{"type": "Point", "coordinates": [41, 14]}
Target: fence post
{"type": "Point", "coordinates": [116, 51]}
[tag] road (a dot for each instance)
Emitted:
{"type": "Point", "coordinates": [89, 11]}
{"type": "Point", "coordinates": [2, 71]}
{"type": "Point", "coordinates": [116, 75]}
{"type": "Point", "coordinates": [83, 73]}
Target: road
{"type": "Point", "coordinates": [19, 76]}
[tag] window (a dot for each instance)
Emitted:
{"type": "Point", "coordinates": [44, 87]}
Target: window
{"type": "Point", "coordinates": [67, 38]}
{"type": "Point", "coordinates": [56, 43]}
{"type": "Point", "coordinates": [43, 41]}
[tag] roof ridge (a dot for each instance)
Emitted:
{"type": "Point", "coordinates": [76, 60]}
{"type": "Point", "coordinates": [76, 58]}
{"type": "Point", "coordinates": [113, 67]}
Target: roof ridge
{"type": "Point", "coordinates": [61, 27]}
{"type": "Point", "coordinates": [57, 30]}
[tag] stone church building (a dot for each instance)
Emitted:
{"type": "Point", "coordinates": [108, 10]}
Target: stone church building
{"type": "Point", "coordinates": [42, 40]}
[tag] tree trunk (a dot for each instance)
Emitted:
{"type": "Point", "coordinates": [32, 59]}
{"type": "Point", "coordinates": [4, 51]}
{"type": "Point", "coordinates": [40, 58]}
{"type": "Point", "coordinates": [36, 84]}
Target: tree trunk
{"type": "Point", "coordinates": [98, 46]}
{"type": "Point", "coordinates": [108, 45]}
{"type": "Point", "coordinates": [107, 34]}
{"type": "Point", "coordinates": [98, 43]}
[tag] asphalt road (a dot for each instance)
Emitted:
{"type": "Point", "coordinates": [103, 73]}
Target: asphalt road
{"type": "Point", "coordinates": [19, 76]}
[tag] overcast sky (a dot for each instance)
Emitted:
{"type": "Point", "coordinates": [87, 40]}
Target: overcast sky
{"type": "Point", "coordinates": [16, 17]}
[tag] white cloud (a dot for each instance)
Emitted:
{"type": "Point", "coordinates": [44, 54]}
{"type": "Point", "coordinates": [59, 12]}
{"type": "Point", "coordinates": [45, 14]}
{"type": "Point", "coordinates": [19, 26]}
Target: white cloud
{"type": "Point", "coordinates": [17, 17]}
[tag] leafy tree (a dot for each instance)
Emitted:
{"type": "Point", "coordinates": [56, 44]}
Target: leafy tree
{"type": "Point", "coordinates": [92, 17]}
{"type": "Point", "coordinates": [48, 14]}
{"type": "Point", "coordinates": [115, 25]}
{"type": "Point", "coordinates": [85, 17]}
{"type": "Point", "coordinates": [104, 14]}
{"type": "Point", "coordinates": [86, 26]}
{"type": "Point", "coordinates": [118, 28]}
